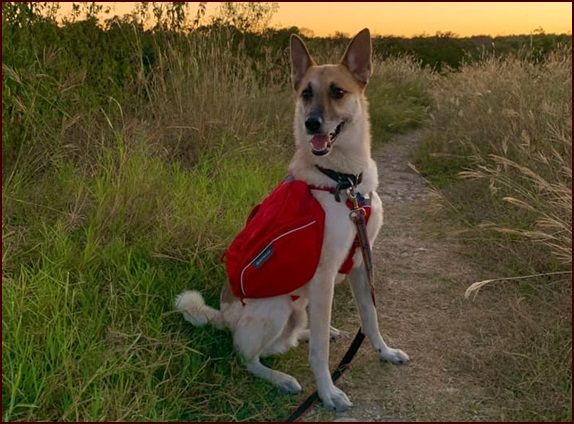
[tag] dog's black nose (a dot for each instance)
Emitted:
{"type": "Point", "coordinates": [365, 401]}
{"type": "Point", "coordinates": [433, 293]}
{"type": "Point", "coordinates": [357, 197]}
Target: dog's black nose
{"type": "Point", "coordinates": [313, 124]}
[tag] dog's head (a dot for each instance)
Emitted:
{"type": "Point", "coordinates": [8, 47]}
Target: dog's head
{"type": "Point", "coordinates": [330, 98]}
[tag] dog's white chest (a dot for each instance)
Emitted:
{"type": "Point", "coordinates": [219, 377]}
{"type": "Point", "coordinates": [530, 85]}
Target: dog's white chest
{"type": "Point", "coordinates": [340, 231]}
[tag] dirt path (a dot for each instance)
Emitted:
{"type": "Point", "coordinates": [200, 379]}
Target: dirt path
{"type": "Point", "coordinates": [420, 291]}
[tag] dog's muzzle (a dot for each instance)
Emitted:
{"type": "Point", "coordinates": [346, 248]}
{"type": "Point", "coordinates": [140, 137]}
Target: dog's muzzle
{"type": "Point", "coordinates": [321, 144]}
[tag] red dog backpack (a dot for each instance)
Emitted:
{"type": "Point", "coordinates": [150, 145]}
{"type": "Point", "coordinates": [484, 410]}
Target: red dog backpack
{"type": "Point", "coordinates": [278, 250]}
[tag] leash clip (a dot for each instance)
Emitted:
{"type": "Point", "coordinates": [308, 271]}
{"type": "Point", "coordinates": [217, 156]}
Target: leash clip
{"type": "Point", "coordinates": [358, 212]}
{"type": "Point", "coordinates": [352, 195]}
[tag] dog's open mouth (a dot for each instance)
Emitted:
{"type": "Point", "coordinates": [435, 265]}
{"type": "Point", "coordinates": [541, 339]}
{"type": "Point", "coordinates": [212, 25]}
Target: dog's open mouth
{"type": "Point", "coordinates": [321, 143]}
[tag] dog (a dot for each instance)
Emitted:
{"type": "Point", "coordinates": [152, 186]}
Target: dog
{"type": "Point", "coordinates": [332, 132]}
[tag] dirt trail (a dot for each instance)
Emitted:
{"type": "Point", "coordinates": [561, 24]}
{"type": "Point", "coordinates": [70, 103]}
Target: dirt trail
{"type": "Point", "coordinates": [420, 292]}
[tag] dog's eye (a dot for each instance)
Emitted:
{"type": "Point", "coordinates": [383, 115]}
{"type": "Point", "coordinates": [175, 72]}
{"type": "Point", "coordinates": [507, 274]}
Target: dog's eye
{"type": "Point", "coordinates": [336, 92]}
{"type": "Point", "coordinates": [307, 93]}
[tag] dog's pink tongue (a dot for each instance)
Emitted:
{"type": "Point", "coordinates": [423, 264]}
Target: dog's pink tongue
{"type": "Point", "coordinates": [320, 142]}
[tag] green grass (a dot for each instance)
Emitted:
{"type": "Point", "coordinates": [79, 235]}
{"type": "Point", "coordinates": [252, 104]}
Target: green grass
{"type": "Point", "coordinates": [88, 327]}
{"type": "Point", "coordinates": [399, 97]}
{"type": "Point", "coordinates": [123, 183]}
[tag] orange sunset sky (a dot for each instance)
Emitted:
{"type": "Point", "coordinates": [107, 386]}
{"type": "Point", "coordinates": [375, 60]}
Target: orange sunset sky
{"type": "Point", "coordinates": [413, 18]}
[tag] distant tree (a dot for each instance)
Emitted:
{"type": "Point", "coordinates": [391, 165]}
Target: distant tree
{"type": "Point", "coordinates": [167, 16]}
{"type": "Point", "coordinates": [339, 35]}
{"type": "Point", "coordinates": [446, 34]}
{"type": "Point", "coordinates": [539, 31]}
{"type": "Point", "coordinates": [19, 13]}
{"type": "Point", "coordinates": [245, 16]}
{"type": "Point", "coordinates": [86, 10]}
{"type": "Point", "coordinates": [307, 32]}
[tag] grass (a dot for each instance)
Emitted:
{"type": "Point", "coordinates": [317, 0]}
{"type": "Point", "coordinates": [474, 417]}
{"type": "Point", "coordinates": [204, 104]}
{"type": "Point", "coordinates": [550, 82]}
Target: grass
{"type": "Point", "coordinates": [516, 164]}
{"type": "Point", "coordinates": [399, 97]}
{"type": "Point", "coordinates": [126, 173]}
{"type": "Point", "coordinates": [115, 201]}
{"type": "Point", "coordinates": [87, 322]}
{"type": "Point", "coordinates": [498, 150]}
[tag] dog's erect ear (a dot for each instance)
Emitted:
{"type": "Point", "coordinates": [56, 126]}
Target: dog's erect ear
{"type": "Point", "coordinates": [357, 58]}
{"type": "Point", "coordinates": [301, 60]}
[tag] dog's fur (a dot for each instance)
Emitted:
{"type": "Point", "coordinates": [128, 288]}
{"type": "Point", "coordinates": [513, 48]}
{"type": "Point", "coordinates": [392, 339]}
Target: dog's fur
{"type": "Point", "coordinates": [332, 130]}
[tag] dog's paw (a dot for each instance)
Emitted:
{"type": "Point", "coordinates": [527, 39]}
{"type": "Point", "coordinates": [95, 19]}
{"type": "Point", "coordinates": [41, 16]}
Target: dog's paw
{"type": "Point", "coordinates": [394, 356]}
{"type": "Point", "coordinates": [304, 335]}
{"type": "Point", "coordinates": [289, 384]}
{"type": "Point", "coordinates": [335, 400]}
{"type": "Point", "coordinates": [334, 334]}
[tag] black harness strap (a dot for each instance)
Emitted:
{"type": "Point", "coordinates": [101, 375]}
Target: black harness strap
{"type": "Point", "coordinates": [344, 181]}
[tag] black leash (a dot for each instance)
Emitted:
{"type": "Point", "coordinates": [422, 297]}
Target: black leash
{"type": "Point", "coordinates": [306, 405]}
{"type": "Point", "coordinates": [357, 215]}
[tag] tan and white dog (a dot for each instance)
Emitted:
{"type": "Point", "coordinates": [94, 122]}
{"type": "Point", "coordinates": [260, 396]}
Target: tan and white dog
{"type": "Point", "coordinates": [332, 131]}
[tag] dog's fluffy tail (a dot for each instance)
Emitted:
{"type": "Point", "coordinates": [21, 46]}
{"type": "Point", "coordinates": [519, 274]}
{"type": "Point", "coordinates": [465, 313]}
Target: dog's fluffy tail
{"type": "Point", "coordinates": [195, 311]}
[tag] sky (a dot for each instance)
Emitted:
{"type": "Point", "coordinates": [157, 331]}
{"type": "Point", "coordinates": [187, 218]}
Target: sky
{"type": "Point", "coordinates": [408, 19]}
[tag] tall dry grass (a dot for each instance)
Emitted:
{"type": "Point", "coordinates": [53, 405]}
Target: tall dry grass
{"type": "Point", "coordinates": [498, 149]}
{"type": "Point", "coordinates": [208, 87]}
{"type": "Point", "coordinates": [508, 123]}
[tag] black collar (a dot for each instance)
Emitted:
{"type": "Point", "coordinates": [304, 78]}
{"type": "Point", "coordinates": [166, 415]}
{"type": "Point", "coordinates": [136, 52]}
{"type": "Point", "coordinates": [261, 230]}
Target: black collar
{"type": "Point", "coordinates": [344, 181]}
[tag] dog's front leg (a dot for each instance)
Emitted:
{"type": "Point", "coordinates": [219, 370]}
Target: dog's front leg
{"type": "Point", "coordinates": [321, 291]}
{"type": "Point", "coordinates": [368, 313]}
